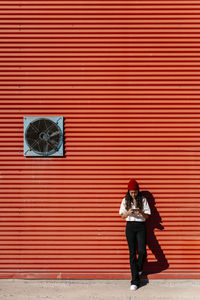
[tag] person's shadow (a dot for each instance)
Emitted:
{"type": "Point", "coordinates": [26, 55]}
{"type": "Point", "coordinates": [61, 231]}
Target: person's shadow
{"type": "Point", "coordinates": [154, 221]}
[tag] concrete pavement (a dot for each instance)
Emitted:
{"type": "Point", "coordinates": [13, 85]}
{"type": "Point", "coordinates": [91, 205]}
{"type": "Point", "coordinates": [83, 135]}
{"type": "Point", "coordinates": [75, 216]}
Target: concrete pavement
{"type": "Point", "coordinates": [20, 289]}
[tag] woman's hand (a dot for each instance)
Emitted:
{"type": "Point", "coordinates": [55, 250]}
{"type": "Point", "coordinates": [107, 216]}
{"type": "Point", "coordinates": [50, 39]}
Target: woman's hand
{"type": "Point", "coordinates": [130, 212]}
{"type": "Point", "coordinates": [126, 214]}
{"type": "Point", "coordinates": [140, 212]}
{"type": "Point", "coordinates": [136, 211]}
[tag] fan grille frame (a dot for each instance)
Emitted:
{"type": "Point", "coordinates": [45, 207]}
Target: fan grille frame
{"type": "Point", "coordinates": [43, 137]}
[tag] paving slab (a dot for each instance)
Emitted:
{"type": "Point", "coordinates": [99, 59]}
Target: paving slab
{"type": "Point", "coordinates": [19, 289]}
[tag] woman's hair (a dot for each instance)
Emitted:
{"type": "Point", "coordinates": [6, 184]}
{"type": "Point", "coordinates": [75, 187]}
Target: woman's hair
{"type": "Point", "coordinates": [129, 200]}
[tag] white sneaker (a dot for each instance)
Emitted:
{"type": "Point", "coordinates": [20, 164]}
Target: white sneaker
{"type": "Point", "coordinates": [133, 287]}
{"type": "Point", "coordinates": [140, 273]}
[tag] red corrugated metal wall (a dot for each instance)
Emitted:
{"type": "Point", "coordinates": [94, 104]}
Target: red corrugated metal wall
{"type": "Point", "coordinates": [125, 75]}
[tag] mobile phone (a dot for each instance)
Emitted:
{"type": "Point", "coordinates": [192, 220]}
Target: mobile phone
{"type": "Point", "coordinates": [134, 210]}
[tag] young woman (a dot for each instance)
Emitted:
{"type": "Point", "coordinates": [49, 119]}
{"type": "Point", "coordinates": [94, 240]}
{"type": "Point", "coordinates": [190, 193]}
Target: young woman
{"type": "Point", "coordinates": [135, 209]}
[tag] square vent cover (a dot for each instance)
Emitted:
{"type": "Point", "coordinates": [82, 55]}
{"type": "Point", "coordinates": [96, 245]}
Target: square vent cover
{"type": "Point", "coordinates": [43, 136]}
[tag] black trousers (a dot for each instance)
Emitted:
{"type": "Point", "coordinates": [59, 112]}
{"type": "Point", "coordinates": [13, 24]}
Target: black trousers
{"type": "Point", "coordinates": [136, 238]}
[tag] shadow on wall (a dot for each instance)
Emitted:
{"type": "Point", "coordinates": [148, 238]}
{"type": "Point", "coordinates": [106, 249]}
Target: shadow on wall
{"type": "Point", "coordinates": [153, 222]}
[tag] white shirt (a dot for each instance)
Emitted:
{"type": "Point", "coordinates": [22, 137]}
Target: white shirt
{"type": "Point", "coordinates": [139, 218]}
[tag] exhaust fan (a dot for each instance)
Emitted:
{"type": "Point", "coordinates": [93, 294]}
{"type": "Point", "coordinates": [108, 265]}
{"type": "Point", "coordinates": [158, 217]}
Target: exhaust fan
{"type": "Point", "coordinates": [43, 136]}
